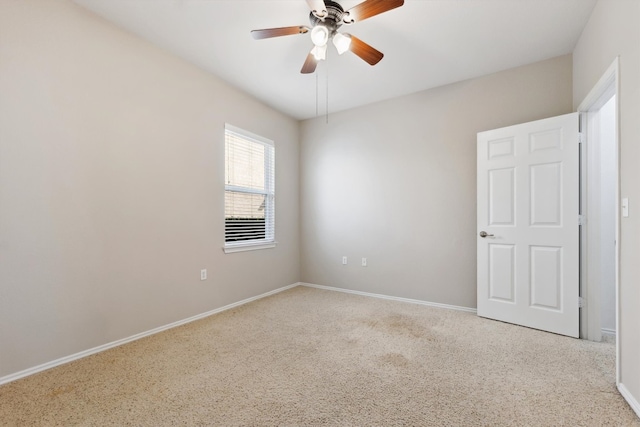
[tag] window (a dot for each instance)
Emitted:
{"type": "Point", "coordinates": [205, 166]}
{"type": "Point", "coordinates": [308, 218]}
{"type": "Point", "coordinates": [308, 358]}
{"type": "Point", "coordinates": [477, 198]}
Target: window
{"type": "Point", "coordinates": [249, 191]}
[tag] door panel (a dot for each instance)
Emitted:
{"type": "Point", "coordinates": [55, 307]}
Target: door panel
{"type": "Point", "coordinates": [502, 197]}
{"type": "Point", "coordinates": [546, 195]}
{"type": "Point", "coordinates": [546, 277]}
{"type": "Point", "coordinates": [528, 205]}
{"type": "Point", "coordinates": [501, 272]}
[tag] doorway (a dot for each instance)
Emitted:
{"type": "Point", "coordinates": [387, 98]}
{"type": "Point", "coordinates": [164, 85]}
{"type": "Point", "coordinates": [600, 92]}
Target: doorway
{"type": "Point", "coordinates": [599, 204]}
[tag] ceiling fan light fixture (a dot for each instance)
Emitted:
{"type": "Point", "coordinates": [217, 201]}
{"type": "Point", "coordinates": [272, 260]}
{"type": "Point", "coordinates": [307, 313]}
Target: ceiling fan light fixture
{"type": "Point", "coordinates": [325, 19]}
{"type": "Point", "coordinates": [319, 52]}
{"type": "Point", "coordinates": [342, 42]}
{"type": "Point", "coordinates": [320, 35]}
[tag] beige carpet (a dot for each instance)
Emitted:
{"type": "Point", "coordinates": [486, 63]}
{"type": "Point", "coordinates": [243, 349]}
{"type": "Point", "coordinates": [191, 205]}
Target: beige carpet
{"type": "Point", "coordinates": [310, 357]}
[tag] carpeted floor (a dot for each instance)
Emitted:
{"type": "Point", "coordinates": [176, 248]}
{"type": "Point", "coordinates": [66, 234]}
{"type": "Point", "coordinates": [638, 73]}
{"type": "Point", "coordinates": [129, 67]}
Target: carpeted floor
{"type": "Point", "coordinates": [309, 357]}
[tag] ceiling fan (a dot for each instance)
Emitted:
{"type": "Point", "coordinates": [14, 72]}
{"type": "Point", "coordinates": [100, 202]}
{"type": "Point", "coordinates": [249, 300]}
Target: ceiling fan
{"type": "Point", "coordinates": [326, 18]}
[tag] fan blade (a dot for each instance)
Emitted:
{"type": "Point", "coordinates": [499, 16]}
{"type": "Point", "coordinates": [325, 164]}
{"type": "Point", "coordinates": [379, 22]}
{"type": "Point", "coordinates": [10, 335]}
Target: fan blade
{"type": "Point", "coordinates": [369, 8]}
{"type": "Point", "coordinates": [310, 64]}
{"type": "Point", "coordinates": [277, 32]}
{"type": "Point", "coordinates": [364, 51]}
{"type": "Point", "coordinates": [318, 8]}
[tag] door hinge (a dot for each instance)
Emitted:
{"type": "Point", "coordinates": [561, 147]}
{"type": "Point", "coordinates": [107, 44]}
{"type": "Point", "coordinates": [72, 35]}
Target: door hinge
{"type": "Point", "coordinates": [582, 219]}
{"type": "Point", "coordinates": [581, 138]}
{"type": "Point", "coordinates": [582, 303]}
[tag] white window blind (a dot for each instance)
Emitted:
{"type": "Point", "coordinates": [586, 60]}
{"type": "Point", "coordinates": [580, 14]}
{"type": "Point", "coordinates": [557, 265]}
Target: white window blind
{"type": "Point", "coordinates": [249, 188]}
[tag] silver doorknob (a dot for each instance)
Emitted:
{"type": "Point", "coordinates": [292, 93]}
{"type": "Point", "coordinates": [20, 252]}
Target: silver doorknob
{"type": "Point", "coordinates": [485, 234]}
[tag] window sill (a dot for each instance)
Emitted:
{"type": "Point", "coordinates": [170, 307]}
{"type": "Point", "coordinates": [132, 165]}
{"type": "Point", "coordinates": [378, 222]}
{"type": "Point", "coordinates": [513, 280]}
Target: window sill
{"type": "Point", "coordinates": [248, 247]}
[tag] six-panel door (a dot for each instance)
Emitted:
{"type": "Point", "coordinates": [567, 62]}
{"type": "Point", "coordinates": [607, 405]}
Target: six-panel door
{"type": "Point", "coordinates": [528, 204]}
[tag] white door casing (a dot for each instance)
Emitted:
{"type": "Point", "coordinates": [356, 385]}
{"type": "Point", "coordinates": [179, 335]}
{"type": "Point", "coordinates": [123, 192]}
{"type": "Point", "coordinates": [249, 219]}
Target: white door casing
{"type": "Point", "coordinates": [528, 204]}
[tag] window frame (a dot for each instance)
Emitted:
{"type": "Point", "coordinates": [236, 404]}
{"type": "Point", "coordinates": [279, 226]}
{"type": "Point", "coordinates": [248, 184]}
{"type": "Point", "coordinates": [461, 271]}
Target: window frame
{"type": "Point", "coordinates": [269, 240]}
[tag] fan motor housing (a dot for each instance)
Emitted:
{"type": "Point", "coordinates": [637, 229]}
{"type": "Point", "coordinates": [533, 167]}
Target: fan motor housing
{"type": "Point", "coordinates": [333, 20]}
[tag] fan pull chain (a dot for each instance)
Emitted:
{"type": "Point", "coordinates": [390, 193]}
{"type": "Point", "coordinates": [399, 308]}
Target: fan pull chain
{"type": "Point", "coordinates": [327, 103]}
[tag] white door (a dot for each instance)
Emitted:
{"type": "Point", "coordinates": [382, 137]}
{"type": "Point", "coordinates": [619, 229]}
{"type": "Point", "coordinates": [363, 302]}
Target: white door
{"type": "Point", "coordinates": [528, 201]}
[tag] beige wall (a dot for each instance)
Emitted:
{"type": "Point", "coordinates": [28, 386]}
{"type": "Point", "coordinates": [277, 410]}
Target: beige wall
{"type": "Point", "coordinates": [614, 30]}
{"type": "Point", "coordinates": [111, 186]}
{"type": "Point", "coordinates": [395, 182]}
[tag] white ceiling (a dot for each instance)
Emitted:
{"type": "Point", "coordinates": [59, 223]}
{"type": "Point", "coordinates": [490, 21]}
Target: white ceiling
{"type": "Point", "coordinates": [427, 43]}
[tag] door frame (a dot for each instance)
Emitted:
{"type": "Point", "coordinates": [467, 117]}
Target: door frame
{"type": "Point", "coordinates": [590, 326]}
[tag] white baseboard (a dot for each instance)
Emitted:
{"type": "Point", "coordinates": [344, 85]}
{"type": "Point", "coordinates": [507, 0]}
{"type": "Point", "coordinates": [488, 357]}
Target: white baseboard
{"type": "Point", "coordinates": [412, 301]}
{"type": "Point", "coordinates": [43, 367]}
{"type": "Point", "coordinates": [629, 398]}
{"type": "Point", "coordinates": [606, 331]}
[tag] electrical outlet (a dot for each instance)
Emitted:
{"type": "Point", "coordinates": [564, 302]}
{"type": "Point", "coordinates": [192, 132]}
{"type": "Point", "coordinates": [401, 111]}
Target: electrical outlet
{"type": "Point", "coordinates": [364, 262]}
{"type": "Point", "coordinates": [203, 274]}
{"type": "Point", "coordinates": [344, 260]}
